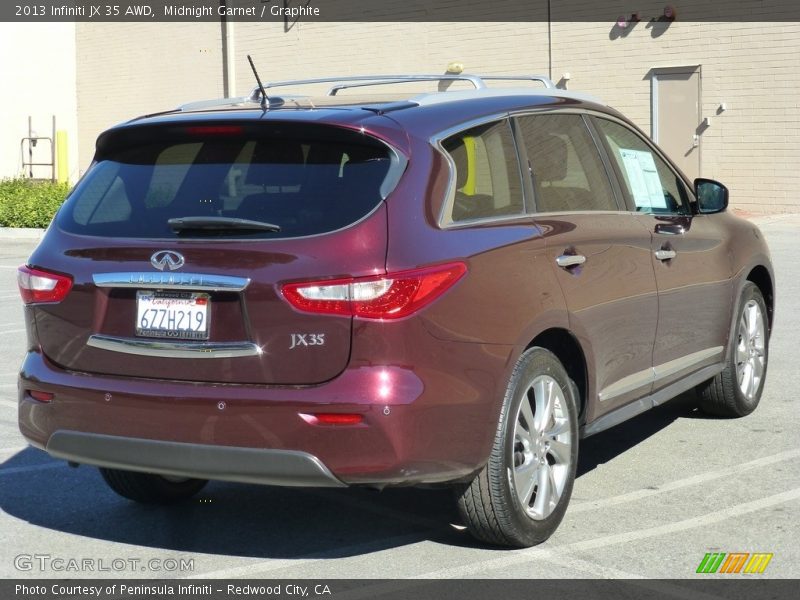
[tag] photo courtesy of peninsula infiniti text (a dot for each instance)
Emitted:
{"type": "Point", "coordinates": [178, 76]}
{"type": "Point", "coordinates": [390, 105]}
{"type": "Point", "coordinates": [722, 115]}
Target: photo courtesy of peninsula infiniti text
{"type": "Point", "coordinates": [357, 282]}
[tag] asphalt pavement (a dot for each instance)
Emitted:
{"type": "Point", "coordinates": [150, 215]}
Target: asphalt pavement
{"type": "Point", "coordinates": [652, 497]}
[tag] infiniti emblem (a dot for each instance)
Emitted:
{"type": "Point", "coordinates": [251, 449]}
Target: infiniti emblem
{"type": "Point", "coordinates": [167, 259]}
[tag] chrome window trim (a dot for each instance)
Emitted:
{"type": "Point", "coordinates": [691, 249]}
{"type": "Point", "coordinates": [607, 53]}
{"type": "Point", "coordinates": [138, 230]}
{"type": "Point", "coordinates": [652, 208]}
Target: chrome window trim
{"type": "Point", "coordinates": [171, 281]}
{"type": "Point", "coordinates": [173, 349]}
{"type": "Point", "coordinates": [445, 219]}
{"type": "Point", "coordinates": [397, 167]}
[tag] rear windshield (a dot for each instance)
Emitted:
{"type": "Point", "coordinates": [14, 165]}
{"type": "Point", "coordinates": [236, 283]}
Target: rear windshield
{"type": "Point", "coordinates": [306, 182]}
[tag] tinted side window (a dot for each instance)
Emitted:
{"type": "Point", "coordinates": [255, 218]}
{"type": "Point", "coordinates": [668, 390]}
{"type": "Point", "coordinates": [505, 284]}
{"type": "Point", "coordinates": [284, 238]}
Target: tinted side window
{"type": "Point", "coordinates": [487, 173]}
{"type": "Point", "coordinates": [567, 171]}
{"type": "Point", "coordinates": [651, 184]}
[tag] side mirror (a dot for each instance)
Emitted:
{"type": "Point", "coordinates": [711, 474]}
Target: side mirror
{"type": "Point", "coordinates": [712, 196]}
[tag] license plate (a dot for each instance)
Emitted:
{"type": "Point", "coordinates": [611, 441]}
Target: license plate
{"type": "Point", "coordinates": [177, 315]}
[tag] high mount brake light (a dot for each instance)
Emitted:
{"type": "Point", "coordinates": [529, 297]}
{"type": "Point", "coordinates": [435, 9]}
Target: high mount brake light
{"type": "Point", "coordinates": [38, 287]}
{"type": "Point", "coordinates": [214, 130]}
{"type": "Point", "coordinates": [390, 296]}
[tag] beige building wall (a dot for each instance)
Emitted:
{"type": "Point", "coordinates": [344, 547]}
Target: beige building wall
{"type": "Point", "coordinates": [332, 49]}
{"type": "Point", "coordinates": [753, 68]}
{"type": "Point", "coordinates": [129, 69]}
{"type": "Point", "coordinates": [37, 67]}
{"type": "Point", "coordinates": [125, 70]}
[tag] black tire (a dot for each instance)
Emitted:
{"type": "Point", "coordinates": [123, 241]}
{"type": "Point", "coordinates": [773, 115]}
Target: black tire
{"type": "Point", "coordinates": [490, 505]}
{"type": "Point", "coordinates": [722, 395]}
{"type": "Point", "coordinates": [151, 489]}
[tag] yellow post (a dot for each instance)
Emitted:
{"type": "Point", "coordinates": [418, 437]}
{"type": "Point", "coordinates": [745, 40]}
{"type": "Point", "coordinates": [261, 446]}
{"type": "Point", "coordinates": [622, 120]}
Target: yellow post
{"type": "Point", "coordinates": [469, 184]}
{"type": "Point", "coordinates": [62, 157]}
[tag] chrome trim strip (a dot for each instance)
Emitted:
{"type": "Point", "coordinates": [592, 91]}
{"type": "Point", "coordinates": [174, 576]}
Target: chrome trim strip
{"type": "Point", "coordinates": [680, 364]}
{"type": "Point", "coordinates": [176, 349]}
{"type": "Point", "coordinates": [171, 281]}
{"type": "Point", "coordinates": [632, 382]}
{"type": "Point", "coordinates": [652, 375]}
{"type": "Point", "coordinates": [625, 412]}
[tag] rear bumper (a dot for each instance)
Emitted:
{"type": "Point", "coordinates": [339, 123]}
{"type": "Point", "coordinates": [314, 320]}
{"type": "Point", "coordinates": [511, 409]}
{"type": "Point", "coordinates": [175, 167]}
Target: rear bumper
{"type": "Point", "coordinates": [246, 465]}
{"type": "Point", "coordinates": [427, 425]}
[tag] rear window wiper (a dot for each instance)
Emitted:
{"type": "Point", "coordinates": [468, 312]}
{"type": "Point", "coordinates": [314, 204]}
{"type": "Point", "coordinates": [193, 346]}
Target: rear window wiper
{"type": "Point", "coordinates": [219, 224]}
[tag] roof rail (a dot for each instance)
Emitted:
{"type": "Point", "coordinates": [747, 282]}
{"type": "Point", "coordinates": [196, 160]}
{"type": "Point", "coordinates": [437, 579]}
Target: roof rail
{"type": "Point", "coordinates": [217, 102]}
{"type": "Point", "coordinates": [342, 83]}
{"type": "Point", "coordinates": [543, 79]}
{"type": "Point", "coordinates": [478, 81]}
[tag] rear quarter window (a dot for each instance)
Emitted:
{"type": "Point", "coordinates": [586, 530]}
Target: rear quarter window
{"type": "Point", "coordinates": [486, 174]}
{"type": "Point", "coordinates": [307, 181]}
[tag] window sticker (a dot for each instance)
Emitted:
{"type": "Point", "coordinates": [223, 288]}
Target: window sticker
{"type": "Point", "coordinates": [643, 178]}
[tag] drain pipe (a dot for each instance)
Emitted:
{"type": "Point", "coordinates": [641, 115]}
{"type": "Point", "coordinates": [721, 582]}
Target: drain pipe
{"type": "Point", "coordinates": [229, 54]}
{"type": "Point", "coordinates": [549, 41]}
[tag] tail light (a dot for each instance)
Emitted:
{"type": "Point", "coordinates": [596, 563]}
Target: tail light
{"type": "Point", "coordinates": [390, 296]}
{"type": "Point", "coordinates": [41, 396]}
{"type": "Point", "coordinates": [38, 287]}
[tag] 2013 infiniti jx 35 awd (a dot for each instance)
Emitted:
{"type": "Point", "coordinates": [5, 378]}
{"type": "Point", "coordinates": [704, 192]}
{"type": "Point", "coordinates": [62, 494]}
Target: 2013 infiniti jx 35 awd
{"type": "Point", "coordinates": [441, 288]}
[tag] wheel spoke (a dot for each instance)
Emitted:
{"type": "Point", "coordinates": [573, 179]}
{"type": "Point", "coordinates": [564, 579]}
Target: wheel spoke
{"type": "Point", "coordinates": [523, 434]}
{"type": "Point", "coordinates": [555, 493]}
{"type": "Point", "coordinates": [525, 479]}
{"type": "Point", "coordinates": [749, 376]}
{"type": "Point", "coordinates": [561, 451]}
{"type": "Point", "coordinates": [539, 394]}
{"type": "Point", "coordinates": [560, 427]}
{"type": "Point", "coordinates": [752, 321]}
{"type": "Point", "coordinates": [741, 352]}
{"type": "Point", "coordinates": [527, 412]}
{"type": "Point", "coordinates": [541, 506]}
{"type": "Point", "coordinates": [544, 404]}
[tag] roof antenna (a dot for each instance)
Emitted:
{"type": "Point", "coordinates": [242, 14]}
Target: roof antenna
{"type": "Point", "coordinates": [264, 99]}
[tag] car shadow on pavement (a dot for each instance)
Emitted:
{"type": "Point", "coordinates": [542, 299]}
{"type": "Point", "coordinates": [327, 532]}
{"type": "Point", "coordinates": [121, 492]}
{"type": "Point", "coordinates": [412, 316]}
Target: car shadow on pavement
{"type": "Point", "coordinates": [224, 518]}
{"type": "Point", "coordinates": [605, 446]}
{"type": "Point", "coordinates": [228, 519]}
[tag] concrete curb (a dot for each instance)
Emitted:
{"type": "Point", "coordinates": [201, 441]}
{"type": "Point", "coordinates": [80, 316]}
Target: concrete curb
{"type": "Point", "coordinates": [21, 233]}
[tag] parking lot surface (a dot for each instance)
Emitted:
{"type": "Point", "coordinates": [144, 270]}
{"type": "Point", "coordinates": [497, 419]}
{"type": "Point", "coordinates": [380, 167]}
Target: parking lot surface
{"type": "Point", "coordinates": [652, 496]}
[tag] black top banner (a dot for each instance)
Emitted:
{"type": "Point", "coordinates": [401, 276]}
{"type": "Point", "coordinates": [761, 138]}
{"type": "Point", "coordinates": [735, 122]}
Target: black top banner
{"type": "Point", "coordinates": [394, 10]}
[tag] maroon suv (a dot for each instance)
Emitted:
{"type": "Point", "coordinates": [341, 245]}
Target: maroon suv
{"type": "Point", "coordinates": [451, 288]}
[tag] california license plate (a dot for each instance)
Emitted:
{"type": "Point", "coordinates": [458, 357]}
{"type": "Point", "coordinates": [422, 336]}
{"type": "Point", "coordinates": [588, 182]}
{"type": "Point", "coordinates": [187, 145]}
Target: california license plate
{"type": "Point", "coordinates": [177, 315]}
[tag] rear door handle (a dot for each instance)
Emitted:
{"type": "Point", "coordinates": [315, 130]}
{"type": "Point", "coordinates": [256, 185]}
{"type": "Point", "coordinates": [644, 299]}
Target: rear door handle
{"type": "Point", "coordinates": [665, 254]}
{"type": "Point", "coordinates": [570, 260]}
{"type": "Point", "coordinates": [670, 229]}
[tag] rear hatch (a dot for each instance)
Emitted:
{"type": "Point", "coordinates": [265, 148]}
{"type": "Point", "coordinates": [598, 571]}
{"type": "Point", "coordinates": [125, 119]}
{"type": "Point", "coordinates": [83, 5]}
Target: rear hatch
{"type": "Point", "coordinates": [179, 237]}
